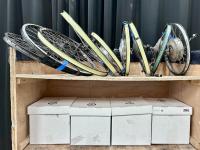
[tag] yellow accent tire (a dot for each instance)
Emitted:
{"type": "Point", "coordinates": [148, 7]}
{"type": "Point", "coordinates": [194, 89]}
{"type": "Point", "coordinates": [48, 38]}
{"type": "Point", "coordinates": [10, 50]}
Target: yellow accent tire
{"type": "Point", "coordinates": [68, 58]}
{"type": "Point", "coordinates": [107, 48]}
{"type": "Point", "coordinates": [84, 36]}
{"type": "Point", "coordinates": [128, 49]}
{"type": "Point", "coordinates": [140, 46]}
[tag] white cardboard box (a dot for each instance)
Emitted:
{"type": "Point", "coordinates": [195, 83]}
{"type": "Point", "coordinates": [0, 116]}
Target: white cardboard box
{"type": "Point", "coordinates": [49, 121]}
{"type": "Point", "coordinates": [170, 121]}
{"type": "Point", "coordinates": [131, 121]}
{"type": "Point", "coordinates": [90, 122]}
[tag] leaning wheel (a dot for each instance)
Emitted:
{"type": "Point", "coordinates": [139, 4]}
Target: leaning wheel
{"type": "Point", "coordinates": [124, 49]}
{"type": "Point", "coordinates": [138, 49]}
{"type": "Point", "coordinates": [177, 54]}
{"type": "Point", "coordinates": [105, 49]}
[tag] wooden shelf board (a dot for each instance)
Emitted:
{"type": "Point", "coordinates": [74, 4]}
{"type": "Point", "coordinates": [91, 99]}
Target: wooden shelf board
{"type": "Point", "coordinates": [67, 147]}
{"type": "Point", "coordinates": [108, 78]}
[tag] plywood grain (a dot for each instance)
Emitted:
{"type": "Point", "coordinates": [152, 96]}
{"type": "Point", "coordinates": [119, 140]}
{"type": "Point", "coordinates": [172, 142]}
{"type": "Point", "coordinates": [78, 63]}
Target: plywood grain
{"type": "Point", "coordinates": [26, 95]}
{"type": "Point", "coordinates": [67, 147]}
{"type": "Point", "coordinates": [33, 67]}
{"type": "Point", "coordinates": [13, 101]}
{"type": "Point", "coordinates": [107, 78]}
{"type": "Point", "coordinates": [106, 89]}
{"type": "Point", "coordinates": [189, 93]}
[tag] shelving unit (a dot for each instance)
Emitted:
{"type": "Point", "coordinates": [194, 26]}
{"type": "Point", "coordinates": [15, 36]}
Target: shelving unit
{"type": "Point", "coordinates": [31, 81]}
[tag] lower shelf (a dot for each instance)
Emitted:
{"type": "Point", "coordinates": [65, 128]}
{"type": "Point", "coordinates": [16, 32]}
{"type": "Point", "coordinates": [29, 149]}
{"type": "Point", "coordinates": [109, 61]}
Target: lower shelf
{"type": "Point", "coordinates": [68, 147]}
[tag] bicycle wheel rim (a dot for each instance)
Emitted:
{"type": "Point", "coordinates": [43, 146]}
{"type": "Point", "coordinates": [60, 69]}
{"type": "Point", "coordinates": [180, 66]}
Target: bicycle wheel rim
{"type": "Point", "coordinates": [87, 40]}
{"type": "Point", "coordinates": [53, 57]}
{"type": "Point", "coordinates": [163, 45]}
{"type": "Point", "coordinates": [136, 38]}
{"type": "Point", "coordinates": [73, 50]}
{"type": "Point", "coordinates": [187, 47]}
{"type": "Point", "coordinates": [124, 49]}
{"type": "Point", "coordinates": [127, 35]}
{"type": "Point", "coordinates": [28, 50]}
{"type": "Point", "coordinates": [66, 57]}
{"type": "Point", "coordinates": [16, 45]}
{"type": "Point", "coordinates": [114, 59]}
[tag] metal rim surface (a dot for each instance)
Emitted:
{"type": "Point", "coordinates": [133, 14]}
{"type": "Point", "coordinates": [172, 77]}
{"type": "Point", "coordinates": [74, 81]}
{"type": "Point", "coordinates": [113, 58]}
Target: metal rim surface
{"type": "Point", "coordinates": [29, 33]}
{"type": "Point", "coordinates": [138, 48]}
{"type": "Point", "coordinates": [162, 47]}
{"type": "Point", "coordinates": [87, 41]}
{"type": "Point", "coordinates": [106, 50]}
{"type": "Point", "coordinates": [124, 48]}
{"type": "Point", "coordinates": [181, 49]}
{"type": "Point", "coordinates": [51, 38]}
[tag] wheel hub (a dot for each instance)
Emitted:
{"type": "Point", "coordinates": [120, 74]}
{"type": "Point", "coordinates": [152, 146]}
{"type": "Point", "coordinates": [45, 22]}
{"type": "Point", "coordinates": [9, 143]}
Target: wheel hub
{"type": "Point", "coordinates": [175, 50]}
{"type": "Point", "coordinates": [122, 51]}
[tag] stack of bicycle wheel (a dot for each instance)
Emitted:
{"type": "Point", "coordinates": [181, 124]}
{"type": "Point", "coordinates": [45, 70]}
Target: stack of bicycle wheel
{"type": "Point", "coordinates": [92, 56]}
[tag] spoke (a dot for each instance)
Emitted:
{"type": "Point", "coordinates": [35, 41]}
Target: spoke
{"type": "Point", "coordinates": [179, 66]}
{"type": "Point", "coordinates": [70, 48]}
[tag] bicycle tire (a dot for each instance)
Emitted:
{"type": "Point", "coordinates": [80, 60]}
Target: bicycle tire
{"type": "Point", "coordinates": [162, 48]}
{"type": "Point", "coordinates": [187, 43]}
{"type": "Point", "coordinates": [33, 40]}
{"type": "Point", "coordinates": [136, 37]}
{"type": "Point", "coordinates": [10, 39]}
{"type": "Point", "coordinates": [124, 49]}
{"type": "Point", "coordinates": [67, 57]}
{"type": "Point", "coordinates": [87, 40]}
{"type": "Point", "coordinates": [28, 50]}
{"type": "Point", "coordinates": [127, 33]}
{"type": "Point", "coordinates": [114, 59]}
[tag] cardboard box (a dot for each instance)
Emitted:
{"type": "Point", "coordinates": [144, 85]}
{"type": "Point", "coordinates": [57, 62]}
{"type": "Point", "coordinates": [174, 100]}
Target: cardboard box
{"type": "Point", "coordinates": [131, 122]}
{"type": "Point", "coordinates": [90, 122]}
{"type": "Point", "coordinates": [49, 121]}
{"type": "Point", "coordinates": [170, 121]}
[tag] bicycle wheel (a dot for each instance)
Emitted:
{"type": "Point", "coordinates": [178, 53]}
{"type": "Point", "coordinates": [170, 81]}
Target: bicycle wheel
{"type": "Point", "coordinates": [162, 47]}
{"type": "Point", "coordinates": [177, 55]}
{"type": "Point", "coordinates": [29, 34]}
{"type": "Point", "coordinates": [87, 41]}
{"type": "Point", "coordinates": [138, 48]}
{"type": "Point", "coordinates": [28, 50]}
{"type": "Point", "coordinates": [16, 42]}
{"type": "Point", "coordinates": [105, 49]}
{"type": "Point", "coordinates": [61, 45]}
{"type": "Point", "coordinates": [124, 48]}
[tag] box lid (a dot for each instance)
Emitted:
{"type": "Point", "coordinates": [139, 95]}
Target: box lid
{"type": "Point", "coordinates": [130, 106]}
{"type": "Point", "coordinates": [91, 107]}
{"type": "Point", "coordinates": [169, 106]}
{"type": "Point", "coordinates": [51, 105]}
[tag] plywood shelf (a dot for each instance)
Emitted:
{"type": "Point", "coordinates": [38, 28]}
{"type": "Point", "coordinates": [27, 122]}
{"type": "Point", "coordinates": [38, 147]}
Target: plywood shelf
{"type": "Point", "coordinates": [67, 147]}
{"type": "Point", "coordinates": [30, 81]}
{"type": "Point", "coordinates": [108, 78]}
